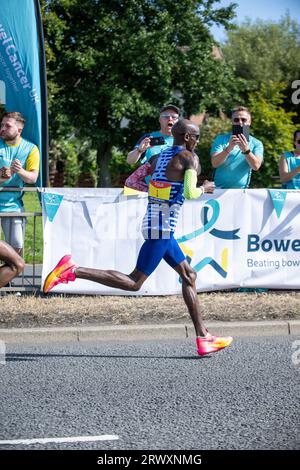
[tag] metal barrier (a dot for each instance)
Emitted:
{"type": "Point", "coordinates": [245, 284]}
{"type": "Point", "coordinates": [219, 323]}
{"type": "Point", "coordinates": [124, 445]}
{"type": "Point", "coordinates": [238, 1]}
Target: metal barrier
{"type": "Point", "coordinates": [29, 280]}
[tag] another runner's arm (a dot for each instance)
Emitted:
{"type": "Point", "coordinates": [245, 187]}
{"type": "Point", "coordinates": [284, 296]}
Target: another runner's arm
{"type": "Point", "coordinates": [136, 179]}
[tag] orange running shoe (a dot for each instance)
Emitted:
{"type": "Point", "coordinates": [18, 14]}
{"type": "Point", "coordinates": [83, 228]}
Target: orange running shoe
{"type": "Point", "coordinates": [210, 344]}
{"type": "Point", "coordinates": [62, 273]}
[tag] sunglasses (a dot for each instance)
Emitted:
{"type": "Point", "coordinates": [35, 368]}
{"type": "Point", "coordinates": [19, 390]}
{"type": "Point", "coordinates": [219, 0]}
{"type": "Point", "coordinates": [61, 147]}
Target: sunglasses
{"type": "Point", "coordinates": [168, 116]}
{"type": "Point", "coordinates": [244, 120]}
{"type": "Point", "coordinates": [297, 141]}
{"type": "Point", "coordinates": [197, 136]}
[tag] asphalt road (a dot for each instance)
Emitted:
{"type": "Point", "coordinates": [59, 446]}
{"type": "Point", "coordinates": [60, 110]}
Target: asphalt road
{"type": "Point", "coordinates": [152, 395]}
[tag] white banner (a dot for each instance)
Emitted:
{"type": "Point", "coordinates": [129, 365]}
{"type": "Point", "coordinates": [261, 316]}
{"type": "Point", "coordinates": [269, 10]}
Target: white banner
{"type": "Point", "coordinates": [233, 238]}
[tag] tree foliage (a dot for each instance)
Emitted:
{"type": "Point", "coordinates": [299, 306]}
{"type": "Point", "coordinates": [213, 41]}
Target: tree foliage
{"type": "Point", "coordinates": [274, 127]}
{"type": "Point", "coordinates": [265, 52]}
{"type": "Point", "coordinates": [211, 127]}
{"type": "Point", "coordinates": [110, 59]}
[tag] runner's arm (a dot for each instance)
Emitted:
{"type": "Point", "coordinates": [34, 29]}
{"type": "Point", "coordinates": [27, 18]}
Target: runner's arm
{"type": "Point", "coordinates": [192, 169]}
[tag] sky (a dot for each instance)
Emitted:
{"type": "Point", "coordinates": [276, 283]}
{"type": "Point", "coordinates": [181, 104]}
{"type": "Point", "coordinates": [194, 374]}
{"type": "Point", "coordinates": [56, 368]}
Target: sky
{"type": "Point", "coordinates": [263, 9]}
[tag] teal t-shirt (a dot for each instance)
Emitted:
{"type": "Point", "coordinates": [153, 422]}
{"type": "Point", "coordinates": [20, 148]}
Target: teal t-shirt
{"type": "Point", "coordinates": [235, 172]}
{"type": "Point", "coordinates": [292, 163]}
{"type": "Point", "coordinates": [12, 201]}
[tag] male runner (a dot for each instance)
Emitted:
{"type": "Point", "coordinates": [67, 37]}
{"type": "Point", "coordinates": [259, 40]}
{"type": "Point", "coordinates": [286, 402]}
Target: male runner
{"type": "Point", "coordinates": [174, 179]}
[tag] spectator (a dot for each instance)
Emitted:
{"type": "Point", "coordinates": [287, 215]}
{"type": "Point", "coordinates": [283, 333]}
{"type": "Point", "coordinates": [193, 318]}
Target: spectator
{"type": "Point", "coordinates": [234, 157]}
{"type": "Point", "coordinates": [19, 164]}
{"type": "Point", "coordinates": [143, 150]}
{"type": "Point", "coordinates": [289, 165]}
{"type": "Point", "coordinates": [12, 265]}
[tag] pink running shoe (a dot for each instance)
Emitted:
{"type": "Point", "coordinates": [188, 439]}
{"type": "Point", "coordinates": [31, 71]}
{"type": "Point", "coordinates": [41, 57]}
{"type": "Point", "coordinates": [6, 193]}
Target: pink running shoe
{"type": "Point", "coordinates": [62, 273]}
{"type": "Point", "coordinates": [218, 339]}
{"type": "Point", "coordinates": [210, 344]}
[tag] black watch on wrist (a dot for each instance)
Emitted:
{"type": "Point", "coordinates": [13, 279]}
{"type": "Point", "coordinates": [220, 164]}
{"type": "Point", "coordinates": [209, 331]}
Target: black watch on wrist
{"type": "Point", "coordinates": [247, 151]}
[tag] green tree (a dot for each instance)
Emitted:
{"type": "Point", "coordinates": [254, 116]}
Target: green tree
{"type": "Point", "coordinates": [110, 59]}
{"type": "Point", "coordinates": [211, 127]}
{"type": "Point", "coordinates": [264, 52]}
{"type": "Point", "coordinates": [74, 157]}
{"type": "Point", "coordinates": [274, 127]}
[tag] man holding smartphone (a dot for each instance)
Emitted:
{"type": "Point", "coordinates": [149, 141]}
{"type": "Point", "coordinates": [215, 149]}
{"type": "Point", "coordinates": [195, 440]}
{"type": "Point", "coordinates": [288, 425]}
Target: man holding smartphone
{"type": "Point", "coordinates": [235, 155]}
{"type": "Point", "coordinates": [153, 143]}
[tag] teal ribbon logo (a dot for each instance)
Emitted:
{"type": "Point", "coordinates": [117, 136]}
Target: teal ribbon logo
{"type": "Point", "coordinates": [208, 224]}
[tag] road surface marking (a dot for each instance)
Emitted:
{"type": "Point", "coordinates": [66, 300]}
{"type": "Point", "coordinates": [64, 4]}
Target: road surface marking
{"type": "Point", "coordinates": [47, 440]}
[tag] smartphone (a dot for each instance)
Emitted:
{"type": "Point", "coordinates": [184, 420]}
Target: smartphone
{"type": "Point", "coordinates": [237, 129]}
{"type": "Point", "coordinates": [157, 141]}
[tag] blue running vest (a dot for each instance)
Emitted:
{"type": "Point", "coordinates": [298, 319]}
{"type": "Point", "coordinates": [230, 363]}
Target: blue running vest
{"type": "Point", "coordinates": [165, 199]}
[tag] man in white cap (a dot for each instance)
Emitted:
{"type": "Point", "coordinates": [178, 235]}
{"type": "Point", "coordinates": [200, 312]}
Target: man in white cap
{"type": "Point", "coordinates": [143, 150]}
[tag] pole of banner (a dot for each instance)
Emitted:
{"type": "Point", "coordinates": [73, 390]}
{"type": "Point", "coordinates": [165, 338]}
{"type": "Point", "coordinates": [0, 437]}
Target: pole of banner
{"type": "Point", "coordinates": [44, 101]}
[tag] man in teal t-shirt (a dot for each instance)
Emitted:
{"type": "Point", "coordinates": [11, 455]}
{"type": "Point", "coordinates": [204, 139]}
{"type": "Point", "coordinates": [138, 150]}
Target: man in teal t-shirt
{"type": "Point", "coordinates": [234, 157]}
{"type": "Point", "coordinates": [143, 149]}
{"type": "Point", "coordinates": [19, 164]}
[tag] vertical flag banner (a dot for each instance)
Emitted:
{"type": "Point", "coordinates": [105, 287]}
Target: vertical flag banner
{"type": "Point", "coordinates": [23, 73]}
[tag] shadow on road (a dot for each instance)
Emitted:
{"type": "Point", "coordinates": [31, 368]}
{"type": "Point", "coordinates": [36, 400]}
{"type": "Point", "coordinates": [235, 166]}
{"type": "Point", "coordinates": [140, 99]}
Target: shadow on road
{"type": "Point", "coordinates": [10, 357]}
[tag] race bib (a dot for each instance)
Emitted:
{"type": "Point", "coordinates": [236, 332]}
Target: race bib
{"type": "Point", "coordinates": [160, 190]}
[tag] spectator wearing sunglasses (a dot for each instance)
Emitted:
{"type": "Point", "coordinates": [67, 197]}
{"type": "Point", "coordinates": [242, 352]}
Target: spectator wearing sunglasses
{"type": "Point", "coordinates": [289, 165]}
{"type": "Point", "coordinates": [143, 149]}
{"type": "Point", "coordinates": [233, 157]}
